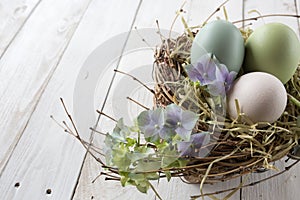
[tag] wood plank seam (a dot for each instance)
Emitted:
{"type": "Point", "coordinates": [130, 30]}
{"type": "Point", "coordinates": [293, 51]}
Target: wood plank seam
{"type": "Point", "coordinates": [297, 13]}
{"type": "Point", "coordinates": [43, 87]}
{"type": "Point", "coordinates": [107, 93]}
{"type": "Point", "coordinates": [20, 28]}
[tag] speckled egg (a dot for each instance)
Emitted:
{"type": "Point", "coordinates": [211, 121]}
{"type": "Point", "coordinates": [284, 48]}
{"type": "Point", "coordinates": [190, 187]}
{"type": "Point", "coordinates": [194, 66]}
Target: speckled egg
{"type": "Point", "coordinates": [261, 97]}
{"type": "Point", "coordinates": [273, 48]}
{"type": "Point", "coordinates": [222, 39]}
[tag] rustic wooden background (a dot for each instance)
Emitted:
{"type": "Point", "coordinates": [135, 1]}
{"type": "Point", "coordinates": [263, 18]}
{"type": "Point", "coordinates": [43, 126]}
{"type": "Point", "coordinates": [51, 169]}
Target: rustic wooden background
{"type": "Point", "coordinates": [43, 45]}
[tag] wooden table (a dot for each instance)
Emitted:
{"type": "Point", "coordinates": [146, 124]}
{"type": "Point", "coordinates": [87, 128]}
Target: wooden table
{"type": "Point", "coordinates": [43, 46]}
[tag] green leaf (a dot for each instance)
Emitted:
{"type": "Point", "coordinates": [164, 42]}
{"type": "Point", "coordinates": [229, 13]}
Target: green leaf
{"type": "Point", "coordinates": [182, 162]}
{"type": "Point", "coordinates": [147, 165]}
{"type": "Point", "coordinates": [120, 158]}
{"type": "Point", "coordinates": [168, 175]}
{"type": "Point", "coordinates": [152, 176]}
{"type": "Point", "coordinates": [124, 180]}
{"type": "Point", "coordinates": [142, 189]}
{"type": "Point", "coordinates": [169, 156]}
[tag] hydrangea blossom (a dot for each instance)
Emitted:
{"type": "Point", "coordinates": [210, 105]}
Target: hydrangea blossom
{"type": "Point", "coordinates": [151, 122]}
{"type": "Point", "coordinates": [204, 70]}
{"type": "Point", "coordinates": [179, 120]}
{"type": "Point", "coordinates": [209, 73]}
{"type": "Point", "coordinates": [166, 123]}
{"type": "Point", "coordinates": [192, 147]}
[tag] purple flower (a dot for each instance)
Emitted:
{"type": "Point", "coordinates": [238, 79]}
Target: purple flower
{"type": "Point", "coordinates": [192, 147]}
{"type": "Point", "coordinates": [222, 74]}
{"type": "Point", "coordinates": [204, 70]}
{"type": "Point", "coordinates": [151, 122]}
{"type": "Point", "coordinates": [210, 73]}
{"type": "Point", "coordinates": [178, 121]}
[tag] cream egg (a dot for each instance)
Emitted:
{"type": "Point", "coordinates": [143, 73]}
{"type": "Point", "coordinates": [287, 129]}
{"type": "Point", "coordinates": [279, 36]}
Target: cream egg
{"type": "Point", "coordinates": [261, 97]}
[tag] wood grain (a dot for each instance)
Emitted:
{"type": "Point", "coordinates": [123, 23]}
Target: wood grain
{"type": "Point", "coordinates": [25, 70]}
{"type": "Point", "coordinates": [13, 15]}
{"type": "Point", "coordinates": [29, 63]}
{"type": "Point", "coordinates": [46, 157]}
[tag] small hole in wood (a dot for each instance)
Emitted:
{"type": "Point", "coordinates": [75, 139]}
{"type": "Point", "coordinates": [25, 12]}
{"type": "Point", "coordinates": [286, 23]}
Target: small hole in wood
{"type": "Point", "coordinates": [17, 185]}
{"type": "Point", "coordinates": [48, 191]}
{"type": "Point", "coordinates": [92, 197]}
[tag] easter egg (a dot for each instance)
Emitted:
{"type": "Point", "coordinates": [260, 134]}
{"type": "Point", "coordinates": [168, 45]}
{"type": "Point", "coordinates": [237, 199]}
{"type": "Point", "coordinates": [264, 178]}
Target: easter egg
{"type": "Point", "coordinates": [273, 48]}
{"type": "Point", "coordinates": [261, 97]}
{"type": "Point", "coordinates": [223, 40]}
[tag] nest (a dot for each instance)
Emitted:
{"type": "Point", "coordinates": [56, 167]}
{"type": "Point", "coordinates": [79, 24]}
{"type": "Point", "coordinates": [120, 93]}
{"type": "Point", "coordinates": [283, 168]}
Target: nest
{"type": "Point", "coordinates": [239, 148]}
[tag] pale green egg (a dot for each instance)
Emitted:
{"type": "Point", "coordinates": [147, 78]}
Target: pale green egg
{"type": "Point", "coordinates": [223, 40]}
{"type": "Point", "coordinates": [273, 48]}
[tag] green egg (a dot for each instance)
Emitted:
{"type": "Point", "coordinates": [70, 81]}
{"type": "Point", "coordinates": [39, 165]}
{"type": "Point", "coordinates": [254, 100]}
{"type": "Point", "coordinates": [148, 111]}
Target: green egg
{"type": "Point", "coordinates": [222, 39]}
{"type": "Point", "coordinates": [273, 48]}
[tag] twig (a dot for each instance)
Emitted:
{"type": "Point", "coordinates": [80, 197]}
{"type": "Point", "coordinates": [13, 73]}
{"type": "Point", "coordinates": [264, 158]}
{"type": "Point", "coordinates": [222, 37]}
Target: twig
{"type": "Point", "coordinates": [92, 129]}
{"type": "Point", "coordinates": [134, 78]}
{"type": "Point", "coordinates": [69, 116]}
{"type": "Point", "coordinates": [134, 101]}
{"type": "Point", "coordinates": [176, 17]}
{"type": "Point", "coordinates": [51, 116]}
{"type": "Point", "coordinates": [269, 15]}
{"type": "Point", "coordinates": [154, 190]}
{"type": "Point", "coordinates": [247, 185]}
{"type": "Point", "coordinates": [77, 136]}
{"type": "Point", "coordinates": [143, 39]}
{"type": "Point", "coordinates": [217, 10]}
{"type": "Point", "coordinates": [102, 113]}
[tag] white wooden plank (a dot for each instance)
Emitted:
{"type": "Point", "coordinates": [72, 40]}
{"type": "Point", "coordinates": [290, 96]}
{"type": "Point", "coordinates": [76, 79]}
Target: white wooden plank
{"type": "Point", "coordinates": [46, 157]}
{"type": "Point", "coordinates": [284, 186]}
{"type": "Point", "coordinates": [146, 18]}
{"type": "Point", "coordinates": [13, 15]}
{"type": "Point", "coordinates": [29, 63]}
{"type": "Point", "coordinates": [271, 7]}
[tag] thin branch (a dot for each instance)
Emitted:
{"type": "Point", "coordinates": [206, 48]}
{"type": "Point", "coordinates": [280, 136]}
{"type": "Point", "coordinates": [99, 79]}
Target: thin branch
{"type": "Point", "coordinates": [134, 101]}
{"type": "Point", "coordinates": [134, 78]}
{"type": "Point", "coordinates": [217, 10]}
{"type": "Point", "coordinates": [69, 116]}
{"type": "Point", "coordinates": [102, 113]}
{"type": "Point", "coordinates": [61, 126]}
{"type": "Point", "coordinates": [101, 133]}
{"type": "Point", "coordinates": [144, 40]}
{"type": "Point", "coordinates": [262, 16]}
{"type": "Point", "coordinates": [154, 190]}
{"type": "Point", "coordinates": [176, 17]}
{"type": "Point", "coordinates": [77, 136]}
{"type": "Point", "coordinates": [247, 185]}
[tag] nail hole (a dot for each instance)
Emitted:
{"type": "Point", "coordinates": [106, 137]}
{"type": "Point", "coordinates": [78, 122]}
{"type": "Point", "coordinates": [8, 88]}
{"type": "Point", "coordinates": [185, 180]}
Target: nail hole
{"type": "Point", "coordinates": [17, 185]}
{"type": "Point", "coordinates": [48, 191]}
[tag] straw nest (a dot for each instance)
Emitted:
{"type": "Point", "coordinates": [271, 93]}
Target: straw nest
{"type": "Point", "coordinates": [239, 149]}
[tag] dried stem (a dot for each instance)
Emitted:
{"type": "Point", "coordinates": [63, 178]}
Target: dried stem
{"type": "Point", "coordinates": [263, 16]}
{"type": "Point", "coordinates": [247, 185]}
{"type": "Point", "coordinates": [134, 101]}
{"type": "Point", "coordinates": [134, 78]}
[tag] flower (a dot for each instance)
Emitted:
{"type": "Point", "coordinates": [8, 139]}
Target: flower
{"type": "Point", "coordinates": [151, 122]}
{"type": "Point", "coordinates": [179, 120]}
{"type": "Point", "coordinates": [204, 70]}
{"type": "Point", "coordinates": [192, 147]}
{"type": "Point", "coordinates": [166, 123]}
{"type": "Point", "coordinates": [212, 74]}
{"type": "Point", "coordinates": [222, 74]}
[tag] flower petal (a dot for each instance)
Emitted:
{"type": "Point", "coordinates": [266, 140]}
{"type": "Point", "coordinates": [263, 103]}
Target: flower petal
{"type": "Point", "coordinates": [183, 133]}
{"type": "Point", "coordinates": [189, 119]}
